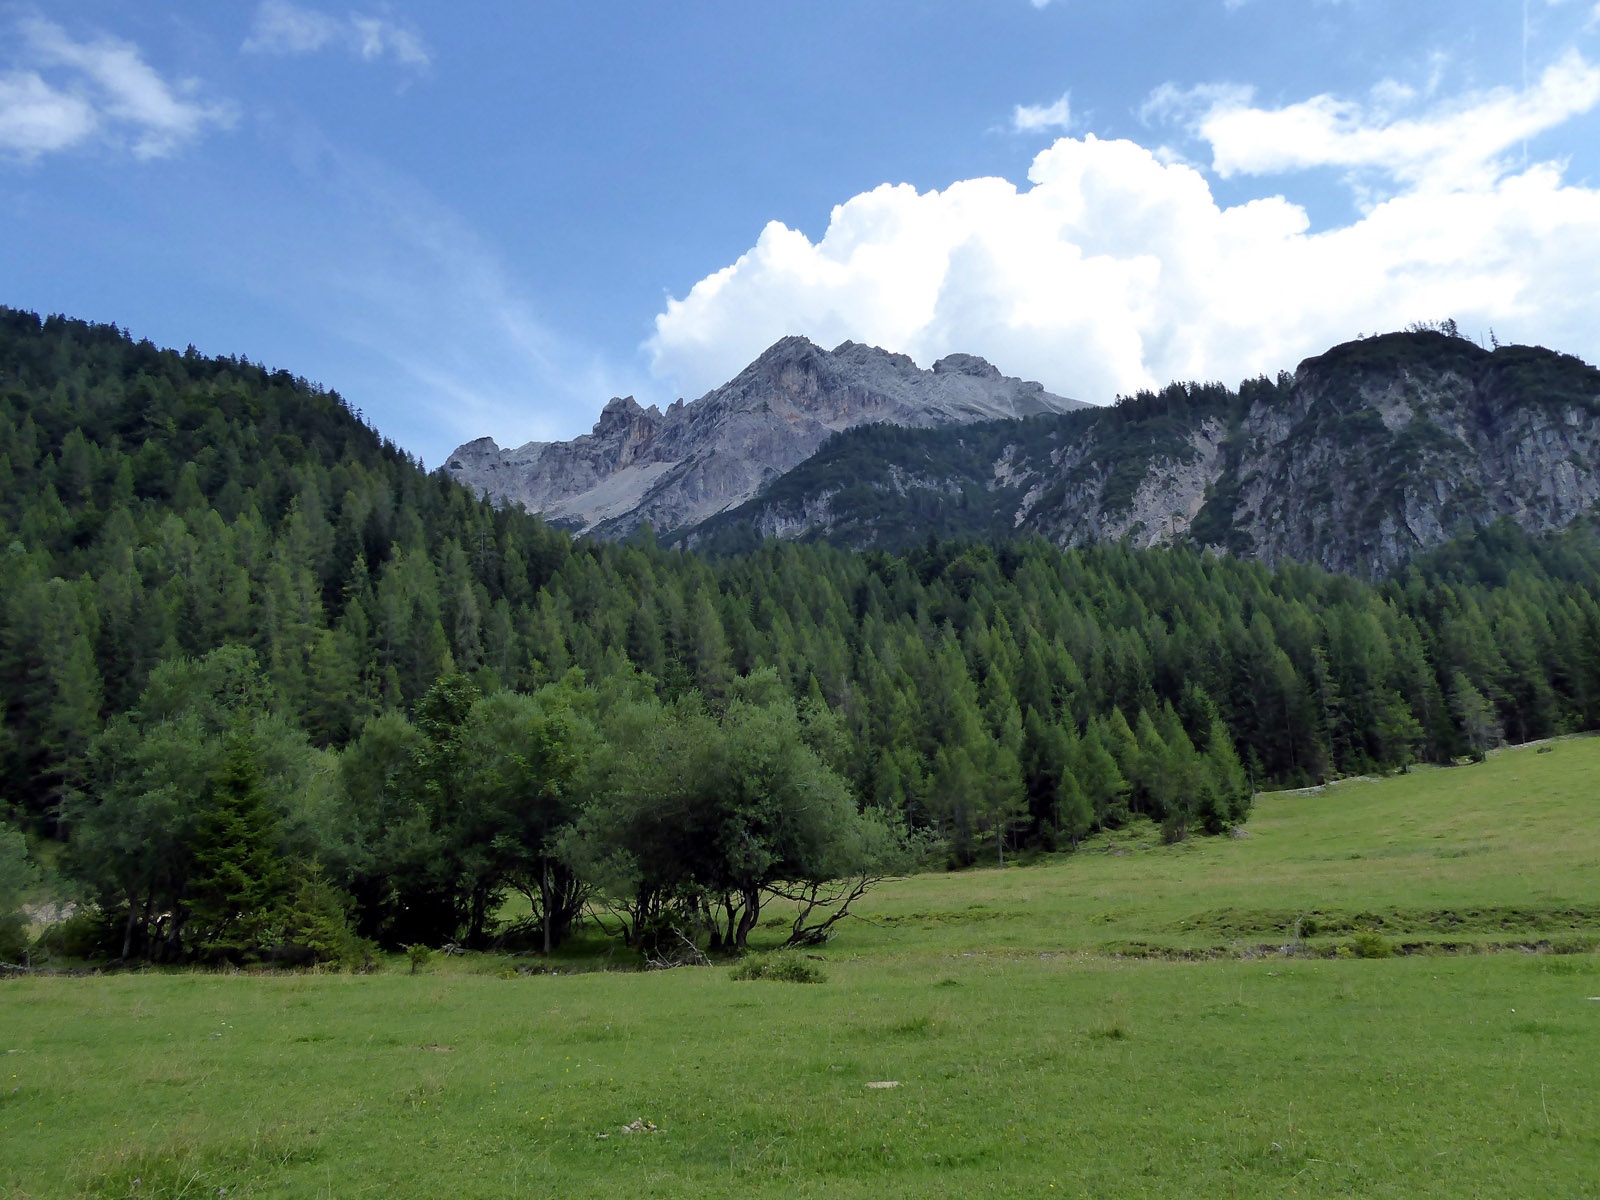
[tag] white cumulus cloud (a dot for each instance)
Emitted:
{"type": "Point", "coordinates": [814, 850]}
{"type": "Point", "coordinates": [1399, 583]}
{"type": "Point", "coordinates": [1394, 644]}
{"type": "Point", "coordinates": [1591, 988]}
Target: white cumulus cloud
{"type": "Point", "coordinates": [284, 28]}
{"type": "Point", "coordinates": [1116, 267]}
{"type": "Point", "coordinates": [72, 91]}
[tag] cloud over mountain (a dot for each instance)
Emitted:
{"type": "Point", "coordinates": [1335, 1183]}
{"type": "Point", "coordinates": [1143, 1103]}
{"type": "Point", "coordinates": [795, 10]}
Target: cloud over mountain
{"type": "Point", "coordinates": [1117, 266]}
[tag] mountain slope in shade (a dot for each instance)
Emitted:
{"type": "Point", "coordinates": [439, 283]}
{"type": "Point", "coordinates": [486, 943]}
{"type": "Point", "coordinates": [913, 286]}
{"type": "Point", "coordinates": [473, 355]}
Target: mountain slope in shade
{"type": "Point", "coordinates": [679, 467]}
{"type": "Point", "coordinates": [1368, 454]}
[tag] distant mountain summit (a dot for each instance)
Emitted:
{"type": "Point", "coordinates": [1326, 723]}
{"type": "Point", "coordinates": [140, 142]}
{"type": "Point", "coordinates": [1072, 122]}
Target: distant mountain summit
{"type": "Point", "coordinates": [677, 468]}
{"type": "Point", "coordinates": [1368, 454]}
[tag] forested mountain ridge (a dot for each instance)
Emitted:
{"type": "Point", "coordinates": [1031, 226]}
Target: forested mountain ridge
{"type": "Point", "coordinates": [677, 468]}
{"type": "Point", "coordinates": [235, 621]}
{"type": "Point", "coordinates": [1366, 455]}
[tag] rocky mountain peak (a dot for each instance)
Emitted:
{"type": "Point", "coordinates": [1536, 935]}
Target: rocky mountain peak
{"type": "Point", "coordinates": [788, 349]}
{"type": "Point", "coordinates": [477, 446]}
{"type": "Point", "coordinates": [679, 467]}
{"type": "Point", "coordinates": [623, 413]}
{"type": "Point", "coordinates": [861, 354]}
{"type": "Point", "coordinates": [966, 364]}
{"type": "Point", "coordinates": [782, 359]}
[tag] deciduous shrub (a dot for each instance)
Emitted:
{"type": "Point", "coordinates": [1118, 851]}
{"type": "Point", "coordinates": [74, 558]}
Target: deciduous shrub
{"type": "Point", "coordinates": [419, 956]}
{"type": "Point", "coordinates": [786, 968]}
{"type": "Point", "coordinates": [1370, 945]}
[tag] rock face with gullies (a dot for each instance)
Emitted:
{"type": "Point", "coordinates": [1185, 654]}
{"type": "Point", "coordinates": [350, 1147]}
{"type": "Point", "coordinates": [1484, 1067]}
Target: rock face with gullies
{"type": "Point", "coordinates": [1368, 454]}
{"type": "Point", "coordinates": [1389, 446]}
{"type": "Point", "coordinates": [677, 468]}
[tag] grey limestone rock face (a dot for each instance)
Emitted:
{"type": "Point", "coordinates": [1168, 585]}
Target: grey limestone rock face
{"type": "Point", "coordinates": [1371, 462]}
{"type": "Point", "coordinates": [1379, 451]}
{"type": "Point", "coordinates": [677, 468]}
{"type": "Point", "coordinates": [1367, 455]}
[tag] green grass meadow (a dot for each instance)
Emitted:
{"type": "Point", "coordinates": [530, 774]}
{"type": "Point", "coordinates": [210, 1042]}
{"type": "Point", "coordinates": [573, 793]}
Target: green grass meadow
{"type": "Point", "coordinates": [1124, 1021]}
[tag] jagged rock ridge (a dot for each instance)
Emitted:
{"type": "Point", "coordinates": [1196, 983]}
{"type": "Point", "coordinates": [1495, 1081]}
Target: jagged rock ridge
{"type": "Point", "coordinates": [679, 467]}
{"type": "Point", "coordinates": [1367, 455]}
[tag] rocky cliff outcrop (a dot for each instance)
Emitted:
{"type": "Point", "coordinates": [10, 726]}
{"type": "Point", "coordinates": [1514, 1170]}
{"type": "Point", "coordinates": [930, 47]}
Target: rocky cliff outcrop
{"type": "Point", "coordinates": [1389, 446]}
{"type": "Point", "coordinates": [679, 467]}
{"type": "Point", "coordinates": [1366, 455]}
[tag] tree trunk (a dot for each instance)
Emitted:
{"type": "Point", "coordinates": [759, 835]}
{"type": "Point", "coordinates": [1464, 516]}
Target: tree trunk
{"type": "Point", "coordinates": [747, 918]}
{"type": "Point", "coordinates": [477, 915]}
{"type": "Point", "coordinates": [173, 951]}
{"type": "Point", "coordinates": [544, 900]}
{"type": "Point", "coordinates": [127, 932]}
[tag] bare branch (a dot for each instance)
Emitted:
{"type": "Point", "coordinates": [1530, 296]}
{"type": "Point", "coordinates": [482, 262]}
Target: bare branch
{"type": "Point", "coordinates": [833, 896]}
{"type": "Point", "coordinates": [686, 954]}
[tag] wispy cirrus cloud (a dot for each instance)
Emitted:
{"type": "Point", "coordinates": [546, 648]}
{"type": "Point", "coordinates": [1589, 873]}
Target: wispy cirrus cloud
{"type": "Point", "coordinates": [284, 28]}
{"type": "Point", "coordinates": [1037, 118]}
{"type": "Point", "coordinates": [68, 92]}
{"type": "Point", "coordinates": [1448, 144]}
{"type": "Point", "coordinates": [454, 346]}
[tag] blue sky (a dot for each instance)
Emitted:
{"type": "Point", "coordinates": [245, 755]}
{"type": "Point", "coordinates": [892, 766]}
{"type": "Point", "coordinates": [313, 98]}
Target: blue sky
{"type": "Point", "coordinates": [489, 218]}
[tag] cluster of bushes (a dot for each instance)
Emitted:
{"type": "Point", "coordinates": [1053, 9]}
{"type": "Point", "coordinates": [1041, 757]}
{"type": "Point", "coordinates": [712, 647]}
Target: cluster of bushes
{"type": "Point", "coordinates": [210, 830]}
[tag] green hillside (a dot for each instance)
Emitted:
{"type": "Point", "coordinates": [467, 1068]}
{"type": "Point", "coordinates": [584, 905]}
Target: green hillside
{"type": "Point", "coordinates": [259, 672]}
{"type": "Point", "coordinates": [1505, 853]}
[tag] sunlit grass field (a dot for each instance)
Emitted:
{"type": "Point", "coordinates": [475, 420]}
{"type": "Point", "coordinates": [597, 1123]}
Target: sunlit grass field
{"type": "Point", "coordinates": [1131, 1020]}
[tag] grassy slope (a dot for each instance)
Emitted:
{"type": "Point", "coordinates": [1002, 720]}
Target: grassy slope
{"type": "Point", "coordinates": [1028, 1064]}
{"type": "Point", "coordinates": [1506, 849]}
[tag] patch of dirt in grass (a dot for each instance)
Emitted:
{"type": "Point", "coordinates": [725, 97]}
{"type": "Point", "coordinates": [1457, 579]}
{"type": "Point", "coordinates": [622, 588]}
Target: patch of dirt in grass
{"type": "Point", "coordinates": [954, 916]}
{"type": "Point", "coordinates": [1329, 948]}
{"type": "Point", "coordinates": [1321, 922]}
